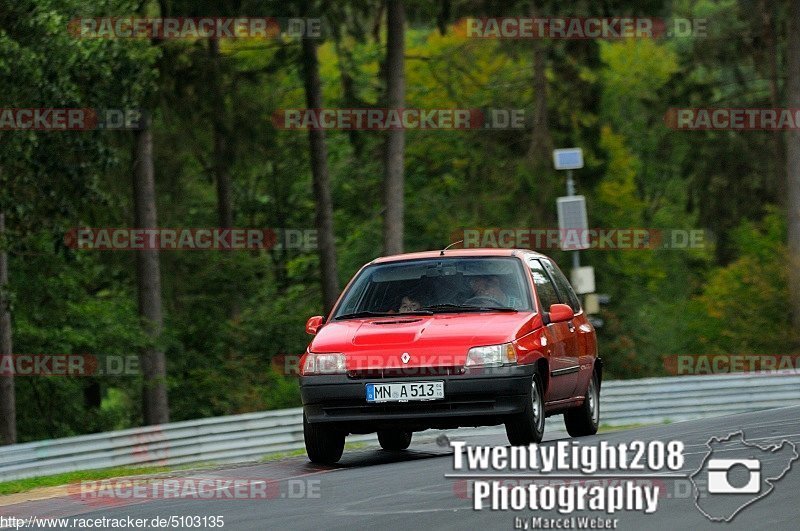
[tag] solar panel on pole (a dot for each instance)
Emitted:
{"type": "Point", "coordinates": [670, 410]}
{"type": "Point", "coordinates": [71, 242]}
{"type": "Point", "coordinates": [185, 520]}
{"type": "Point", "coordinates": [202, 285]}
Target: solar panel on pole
{"type": "Point", "coordinates": [573, 224]}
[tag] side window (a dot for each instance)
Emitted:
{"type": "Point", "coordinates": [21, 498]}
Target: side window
{"type": "Point", "coordinates": [544, 287]}
{"type": "Point", "coordinates": [564, 289]}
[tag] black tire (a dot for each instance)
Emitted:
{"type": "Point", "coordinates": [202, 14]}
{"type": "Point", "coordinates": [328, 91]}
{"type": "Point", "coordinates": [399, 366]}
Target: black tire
{"type": "Point", "coordinates": [528, 427]}
{"type": "Point", "coordinates": [585, 419]}
{"type": "Point", "coordinates": [324, 444]}
{"type": "Point", "coordinates": [394, 440]}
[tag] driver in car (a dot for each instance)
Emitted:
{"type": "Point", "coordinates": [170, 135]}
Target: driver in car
{"type": "Point", "coordinates": [486, 289]}
{"type": "Point", "coordinates": [409, 305]}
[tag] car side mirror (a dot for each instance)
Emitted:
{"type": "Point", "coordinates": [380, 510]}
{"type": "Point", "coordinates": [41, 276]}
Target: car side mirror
{"type": "Point", "coordinates": [314, 323]}
{"type": "Point", "coordinates": [560, 313]}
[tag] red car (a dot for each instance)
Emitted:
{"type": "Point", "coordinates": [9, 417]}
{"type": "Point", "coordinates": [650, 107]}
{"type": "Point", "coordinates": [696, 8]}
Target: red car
{"type": "Point", "coordinates": [445, 339]}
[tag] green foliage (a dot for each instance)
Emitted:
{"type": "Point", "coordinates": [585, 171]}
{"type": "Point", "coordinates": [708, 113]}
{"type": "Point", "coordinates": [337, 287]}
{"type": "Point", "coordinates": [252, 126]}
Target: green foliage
{"type": "Point", "coordinates": [743, 306]}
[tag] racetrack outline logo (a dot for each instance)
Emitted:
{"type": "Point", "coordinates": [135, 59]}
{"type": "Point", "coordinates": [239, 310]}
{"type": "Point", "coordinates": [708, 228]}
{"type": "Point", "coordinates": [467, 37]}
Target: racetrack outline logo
{"type": "Point", "coordinates": [719, 488]}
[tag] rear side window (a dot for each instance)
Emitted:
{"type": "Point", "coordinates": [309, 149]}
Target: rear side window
{"type": "Point", "coordinates": [565, 291]}
{"type": "Point", "coordinates": [544, 286]}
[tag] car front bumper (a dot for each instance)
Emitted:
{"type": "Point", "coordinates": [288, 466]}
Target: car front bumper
{"type": "Point", "coordinates": [479, 397]}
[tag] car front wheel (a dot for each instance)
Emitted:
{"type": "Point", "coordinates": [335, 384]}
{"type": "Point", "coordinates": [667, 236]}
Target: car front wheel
{"type": "Point", "coordinates": [394, 440]}
{"type": "Point", "coordinates": [528, 427]}
{"type": "Point", "coordinates": [324, 444]}
{"type": "Point", "coordinates": [585, 419]}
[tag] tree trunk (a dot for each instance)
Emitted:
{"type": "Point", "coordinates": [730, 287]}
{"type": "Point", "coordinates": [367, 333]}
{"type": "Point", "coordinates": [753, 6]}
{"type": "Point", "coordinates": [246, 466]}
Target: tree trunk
{"type": "Point", "coordinates": [443, 16]}
{"type": "Point", "coordinates": [349, 98]}
{"type": "Point", "coordinates": [395, 143]}
{"type": "Point", "coordinates": [320, 180]}
{"type": "Point", "coordinates": [221, 162]}
{"type": "Point", "coordinates": [793, 161]}
{"type": "Point", "coordinates": [541, 141]}
{"type": "Point", "coordinates": [148, 278]}
{"type": "Point", "coordinates": [777, 188]}
{"type": "Point", "coordinates": [8, 412]}
{"type": "Point", "coordinates": [376, 23]}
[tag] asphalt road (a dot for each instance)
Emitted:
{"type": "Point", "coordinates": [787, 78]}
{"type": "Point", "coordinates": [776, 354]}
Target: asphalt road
{"type": "Point", "coordinates": [373, 489]}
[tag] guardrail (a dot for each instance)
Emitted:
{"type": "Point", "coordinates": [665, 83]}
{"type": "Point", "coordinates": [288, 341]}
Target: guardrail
{"type": "Point", "coordinates": [254, 435]}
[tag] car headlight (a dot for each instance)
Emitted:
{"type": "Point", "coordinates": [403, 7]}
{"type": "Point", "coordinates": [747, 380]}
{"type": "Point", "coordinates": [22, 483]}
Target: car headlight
{"type": "Point", "coordinates": [324, 364]}
{"type": "Point", "coordinates": [491, 355]}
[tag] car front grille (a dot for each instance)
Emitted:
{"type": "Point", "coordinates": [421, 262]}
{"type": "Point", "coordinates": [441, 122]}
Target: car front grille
{"type": "Point", "coordinates": [476, 405]}
{"type": "Point", "coordinates": [405, 372]}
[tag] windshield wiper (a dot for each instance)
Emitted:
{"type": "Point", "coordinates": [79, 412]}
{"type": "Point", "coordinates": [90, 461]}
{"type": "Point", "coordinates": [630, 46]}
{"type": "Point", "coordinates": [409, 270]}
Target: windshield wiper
{"type": "Point", "coordinates": [362, 314]}
{"type": "Point", "coordinates": [465, 308]}
{"type": "Point", "coordinates": [449, 306]}
{"type": "Point", "coordinates": [382, 314]}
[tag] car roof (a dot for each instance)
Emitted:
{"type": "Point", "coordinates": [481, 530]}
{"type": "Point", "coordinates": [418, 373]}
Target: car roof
{"type": "Point", "coordinates": [455, 253]}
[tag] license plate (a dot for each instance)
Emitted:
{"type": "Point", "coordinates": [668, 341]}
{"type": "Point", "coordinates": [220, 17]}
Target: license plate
{"type": "Point", "coordinates": [403, 392]}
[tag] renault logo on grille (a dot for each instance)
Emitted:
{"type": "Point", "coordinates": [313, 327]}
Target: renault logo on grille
{"type": "Point", "coordinates": [405, 357]}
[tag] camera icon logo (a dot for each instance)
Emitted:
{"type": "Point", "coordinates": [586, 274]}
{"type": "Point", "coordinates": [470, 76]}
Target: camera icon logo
{"type": "Point", "coordinates": [719, 483]}
{"type": "Point", "coordinates": [736, 473]}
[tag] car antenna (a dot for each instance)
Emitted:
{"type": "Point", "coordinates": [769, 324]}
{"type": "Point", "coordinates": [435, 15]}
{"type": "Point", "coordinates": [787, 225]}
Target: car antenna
{"type": "Point", "coordinates": [452, 244]}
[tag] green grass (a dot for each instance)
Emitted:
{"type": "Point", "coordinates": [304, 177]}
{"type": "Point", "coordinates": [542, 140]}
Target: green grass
{"type": "Point", "coordinates": [22, 485]}
{"type": "Point", "coordinates": [605, 428]}
{"type": "Point", "coordinates": [356, 445]}
{"type": "Point", "coordinates": [281, 455]}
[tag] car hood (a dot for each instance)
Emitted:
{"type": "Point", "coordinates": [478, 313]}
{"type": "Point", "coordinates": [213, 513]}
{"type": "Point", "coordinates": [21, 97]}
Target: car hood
{"type": "Point", "coordinates": [437, 340]}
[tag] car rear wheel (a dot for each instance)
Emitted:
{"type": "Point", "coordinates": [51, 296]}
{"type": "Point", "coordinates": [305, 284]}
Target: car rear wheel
{"type": "Point", "coordinates": [585, 419]}
{"type": "Point", "coordinates": [324, 444]}
{"type": "Point", "coordinates": [528, 427]}
{"type": "Point", "coordinates": [394, 440]}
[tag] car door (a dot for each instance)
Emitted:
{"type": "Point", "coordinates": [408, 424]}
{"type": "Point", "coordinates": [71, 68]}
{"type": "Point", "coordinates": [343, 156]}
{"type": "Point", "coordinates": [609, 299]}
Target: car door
{"type": "Point", "coordinates": [576, 342]}
{"type": "Point", "coordinates": [562, 378]}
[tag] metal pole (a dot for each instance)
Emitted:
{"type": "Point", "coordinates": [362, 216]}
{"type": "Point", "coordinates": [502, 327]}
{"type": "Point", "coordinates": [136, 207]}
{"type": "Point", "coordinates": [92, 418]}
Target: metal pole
{"type": "Point", "coordinates": [576, 259]}
{"type": "Point", "coordinates": [570, 183]}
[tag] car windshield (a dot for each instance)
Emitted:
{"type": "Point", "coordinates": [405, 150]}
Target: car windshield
{"type": "Point", "coordinates": [440, 285]}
